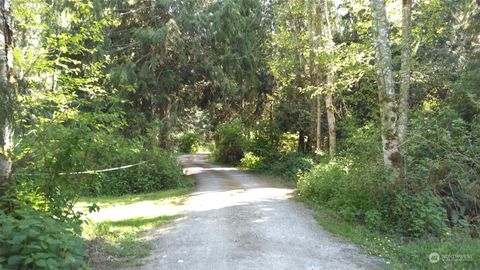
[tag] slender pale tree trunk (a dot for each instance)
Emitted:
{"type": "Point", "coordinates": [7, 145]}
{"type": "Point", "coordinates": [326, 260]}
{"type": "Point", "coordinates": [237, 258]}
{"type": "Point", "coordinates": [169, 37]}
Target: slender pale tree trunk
{"type": "Point", "coordinates": [319, 123]}
{"type": "Point", "coordinates": [314, 46]}
{"type": "Point", "coordinates": [405, 68]}
{"type": "Point", "coordinates": [332, 131]}
{"type": "Point", "coordinates": [6, 96]}
{"type": "Point", "coordinates": [329, 47]}
{"type": "Point", "coordinates": [387, 100]}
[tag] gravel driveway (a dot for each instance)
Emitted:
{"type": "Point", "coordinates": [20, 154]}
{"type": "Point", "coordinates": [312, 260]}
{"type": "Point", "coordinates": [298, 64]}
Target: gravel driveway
{"type": "Point", "coordinates": [234, 220]}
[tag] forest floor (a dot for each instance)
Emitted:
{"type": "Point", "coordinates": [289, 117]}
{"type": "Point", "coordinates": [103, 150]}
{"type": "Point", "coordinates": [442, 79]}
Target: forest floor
{"type": "Point", "coordinates": [236, 220]}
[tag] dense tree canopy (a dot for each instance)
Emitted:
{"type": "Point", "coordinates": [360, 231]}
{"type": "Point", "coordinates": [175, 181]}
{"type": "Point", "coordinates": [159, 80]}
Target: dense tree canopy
{"type": "Point", "coordinates": [382, 96]}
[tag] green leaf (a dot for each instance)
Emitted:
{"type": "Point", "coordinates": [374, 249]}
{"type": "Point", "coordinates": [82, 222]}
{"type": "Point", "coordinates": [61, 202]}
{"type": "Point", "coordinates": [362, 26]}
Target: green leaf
{"type": "Point", "coordinates": [15, 260]}
{"type": "Point", "coordinates": [41, 263]}
{"type": "Point", "coordinates": [17, 239]}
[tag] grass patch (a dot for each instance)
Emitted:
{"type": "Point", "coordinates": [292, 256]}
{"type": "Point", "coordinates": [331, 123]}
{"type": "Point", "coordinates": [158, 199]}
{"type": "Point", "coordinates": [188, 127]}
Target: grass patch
{"type": "Point", "coordinates": [454, 252]}
{"type": "Point", "coordinates": [121, 242]}
{"type": "Point", "coordinates": [156, 197]}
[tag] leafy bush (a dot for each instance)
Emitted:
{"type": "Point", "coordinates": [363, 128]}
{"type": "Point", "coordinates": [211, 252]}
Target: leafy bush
{"type": "Point", "coordinates": [355, 187]}
{"type": "Point", "coordinates": [265, 141]}
{"type": "Point", "coordinates": [48, 184]}
{"type": "Point", "coordinates": [289, 166]}
{"type": "Point", "coordinates": [443, 153]}
{"type": "Point", "coordinates": [32, 240]}
{"type": "Point", "coordinates": [161, 171]}
{"type": "Point", "coordinates": [45, 160]}
{"type": "Point", "coordinates": [188, 142]}
{"type": "Point", "coordinates": [319, 185]}
{"type": "Point", "coordinates": [341, 187]}
{"type": "Point", "coordinates": [274, 153]}
{"type": "Point", "coordinates": [288, 142]}
{"type": "Point", "coordinates": [354, 197]}
{"type": "Point", "coordinates": [417, 214]}
{"type": "Point", "coordinates": [230, 142]}
{"type": "Point", "coordinates": [252, 162]}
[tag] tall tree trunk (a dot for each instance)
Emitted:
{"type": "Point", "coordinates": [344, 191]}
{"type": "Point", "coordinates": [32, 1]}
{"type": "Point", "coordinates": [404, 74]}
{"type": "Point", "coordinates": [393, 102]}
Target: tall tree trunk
{"type": "Point", "coordinates": [405, 68]}
{"type": "Point", "coordinates": [6, 96]}
{"type": "Point", "coordinates": [329, 47]}
{"type": "Point", "coordinates": [314, 46]}
{"type": "Point", "coordinates": [332, 132]}
{"type": "Point", "coordinates": [308, 144]}
{"type": "Point", "coordinates": [319, 124]}
{"type": "Point", "coordinates": [387, 100]}
{"type": "Point", "coordinates": [301, 142]}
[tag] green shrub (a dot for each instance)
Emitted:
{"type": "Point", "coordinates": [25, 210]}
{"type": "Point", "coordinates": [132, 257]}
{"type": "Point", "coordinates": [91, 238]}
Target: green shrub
{"type": "Point", "coordinates": [289, 166]}
{"type": "Point", "coordinates": [56, 193]}
{"type": "Point", "coordinates": [356, 188]}
{"type": "Point", "coordinates": [230, 142]}
{"type": "Point", "coordinates": [343, 187]}
{"type": "Point", "coordinates": [252, 162]}
{"type": "Point", "coordinates": [188, 142]}
{"type": "Point", "coordinates": [321, 183]}
{"type": "Point", "coordinates": [162, 171]}
{"type": "Point", "coordinates": [32, 240]}
{"type": "Point", "coordinates": [274, 153]}
{"type": "Point", "coordinates": [417, 214]}
{"type": "Point", "coordinates": [288, 142]}
{"type": "Point", "coordinates": [265, 141]}
{"type": "Point", "coordinates": [444, 157]}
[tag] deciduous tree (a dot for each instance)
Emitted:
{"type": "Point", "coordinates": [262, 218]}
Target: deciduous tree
{"type": "Point", "coordinates": [386, 91]}
{"type": "Point", "coordinates": [7, 95]}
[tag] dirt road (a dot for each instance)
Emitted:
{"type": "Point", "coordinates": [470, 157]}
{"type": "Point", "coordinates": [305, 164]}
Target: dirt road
{"type": "Point", "coordinates": [234, 220]}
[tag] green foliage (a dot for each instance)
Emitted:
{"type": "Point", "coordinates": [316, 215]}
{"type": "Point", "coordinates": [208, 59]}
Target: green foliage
{"type": "Point", "coordinates": [161, 172]}
{"type": "Point", "coordinates": [157, 197]}
{"type": "Point", "coordinates": [456, 252]}
{"type": "Point", "coordinates": [265, 141]}
{"type": "Point", "coordinates": [33, 240]}
{"type": "Point", "coordinates": [189, 142]}
{"type": "Point", "coordinates": [355, 198]}
{"type": "Point", "coordinates": [271, 151]}
{"type": "Point", "coordinates": [230, 142]}
{"type": "Point", "coordinates": [343, 188]}
{"type": "Point", "coordinates": [291, 165]}
{"type": "Point", "coordinates": [465, 97]}
{"type": "Point", "coordinates": [356, 188]}
{"type": "Point", "coordinates": [287, 166]}
{"type": "Point", "coordinates": [103, 84]}
{"type": "Point", "coordinates": [443, 153]}
{"type": "Point", "coordinates": [417, 215]}
{"type": "Point", "coordinates": [49, 189]}
{"type": "Point", "coordinates": [45, 159]}
{"type": "Point", "coordinates": [288, 142]}
{"type": "Point", "coordinates": [250, 161]}
{"type": "Point", "coordinates": [319, 185]}
{"type": "Point", "coordinates": [64, 120]}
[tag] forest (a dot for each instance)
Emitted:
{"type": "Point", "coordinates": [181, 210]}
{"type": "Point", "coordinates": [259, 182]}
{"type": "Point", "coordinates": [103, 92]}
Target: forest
{"type": "Point", "coordinates": [368, 109]}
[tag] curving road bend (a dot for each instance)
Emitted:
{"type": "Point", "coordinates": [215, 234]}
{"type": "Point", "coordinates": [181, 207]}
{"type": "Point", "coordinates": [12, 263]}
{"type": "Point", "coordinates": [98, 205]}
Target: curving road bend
{"type": "Point", "coordinates": [234, 220]}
